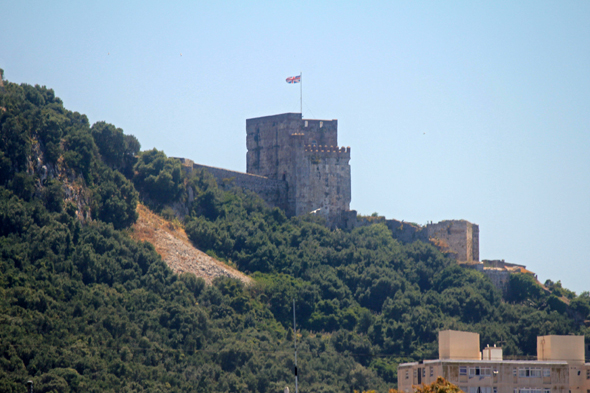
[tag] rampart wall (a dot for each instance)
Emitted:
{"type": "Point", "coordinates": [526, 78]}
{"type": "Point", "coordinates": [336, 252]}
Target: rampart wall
{"type": "Point", "coordinates": [406, 232]}
{"type": "Point", "coordinates": [273, 192]}
{"type": "Point", "coordinates": [458, 239]}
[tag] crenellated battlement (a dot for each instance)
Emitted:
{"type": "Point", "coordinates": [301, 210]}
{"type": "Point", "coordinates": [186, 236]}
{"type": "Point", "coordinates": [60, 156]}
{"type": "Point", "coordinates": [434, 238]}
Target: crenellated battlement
{"type": "Point", "coordinates": [326, 149]}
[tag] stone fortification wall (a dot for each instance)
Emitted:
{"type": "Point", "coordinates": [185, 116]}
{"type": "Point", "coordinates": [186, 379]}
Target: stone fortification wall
{"type": "Point", "coordinates": [459, 239]}
{"type": "Point", "coordinates": [273, 192]}
{"type": "Point", "coordinates": [304, 153]}
{"type": "Point", "coordinates": [499, 277]}
{"type": "Point", "coordinates": [268, 143]}
{"type": "Point", "coordinates": [322, 179]}
{"type": "Point", "coordinates": [270, 147]}
{"type": "Point", "coordinates": [406, 232]}
{"type": "Point", "coordinates": [320, 132]}
{"type": "Point", "coordinates": [501, 263]}
{"type": "Point", "coordinates": [460, 235]}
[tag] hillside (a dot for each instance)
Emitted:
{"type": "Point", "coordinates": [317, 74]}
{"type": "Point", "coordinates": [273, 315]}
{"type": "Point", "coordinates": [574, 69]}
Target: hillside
{"type": "Point", "coordinates": [171, 242]}
{"type": "Point", "coordinates": [87, 305]}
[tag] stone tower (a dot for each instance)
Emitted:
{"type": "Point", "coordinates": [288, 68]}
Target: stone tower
{"type": "Point", "coordinates": [305, 155]}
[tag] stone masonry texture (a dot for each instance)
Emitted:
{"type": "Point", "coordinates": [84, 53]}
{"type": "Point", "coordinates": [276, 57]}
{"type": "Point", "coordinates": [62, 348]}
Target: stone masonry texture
{"type": "Point", "coordinates": [304, 154]}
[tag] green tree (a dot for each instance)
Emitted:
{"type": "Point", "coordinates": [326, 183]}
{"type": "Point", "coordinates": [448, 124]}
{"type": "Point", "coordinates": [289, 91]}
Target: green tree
{"type": "Point", "coordinates": [117, 200]}
{"type": "Point", "coordinates": [161, 178]}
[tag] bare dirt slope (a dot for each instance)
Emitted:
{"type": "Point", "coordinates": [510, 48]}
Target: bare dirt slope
{"type": "Point", "coordinates": [176, 250]}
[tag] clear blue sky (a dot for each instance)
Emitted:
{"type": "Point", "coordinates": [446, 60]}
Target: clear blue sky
{"type": "Point", "coordinates": [453, 110]}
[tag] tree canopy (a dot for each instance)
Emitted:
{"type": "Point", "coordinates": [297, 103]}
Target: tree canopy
{"type": "Point", "coordinates": [86, 308]}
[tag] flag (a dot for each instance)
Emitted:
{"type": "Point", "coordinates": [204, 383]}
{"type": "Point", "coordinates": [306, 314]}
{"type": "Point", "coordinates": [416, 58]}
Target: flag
{"type": "Point", "coordinates": [294, 79]}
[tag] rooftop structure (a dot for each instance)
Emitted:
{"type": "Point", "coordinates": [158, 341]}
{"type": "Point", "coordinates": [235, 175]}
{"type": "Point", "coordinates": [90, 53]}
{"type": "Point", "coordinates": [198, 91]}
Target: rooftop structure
{"type": "Point", "coordinates": [559, 367]}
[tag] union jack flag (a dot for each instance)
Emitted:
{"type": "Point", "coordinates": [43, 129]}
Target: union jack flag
{"type": "Point", "coordinates": [294, 79]}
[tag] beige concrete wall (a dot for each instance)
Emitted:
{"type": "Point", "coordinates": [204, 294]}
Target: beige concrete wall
{"type": "Point", "coordinates": [568, 348]}
{"type": "Point", "coordinates": [586, 378]}
{"type": "Point", "coordinates": [488, 376]}
{"type": "Point", "coordinates": [453, 344]}
{"type": "Point", "coordinates": [492, 353]}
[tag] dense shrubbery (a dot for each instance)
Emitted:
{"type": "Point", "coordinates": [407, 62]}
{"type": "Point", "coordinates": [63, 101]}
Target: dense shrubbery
{"type": "Point", "coordinates": [158, 177]}
{"type": "Point", "coordinates": [85, 308]}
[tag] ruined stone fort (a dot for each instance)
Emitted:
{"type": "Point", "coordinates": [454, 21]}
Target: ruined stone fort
{"type": "Point", "coordinates": [295, 164]}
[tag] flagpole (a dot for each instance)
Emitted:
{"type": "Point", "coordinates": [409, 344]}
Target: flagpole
{"type": "Point", "coordinates": [301, 93]}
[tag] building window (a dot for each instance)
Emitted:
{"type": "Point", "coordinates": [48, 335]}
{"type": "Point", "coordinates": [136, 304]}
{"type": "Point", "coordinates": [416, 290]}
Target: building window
{"type": "Point", "coordinates": [462, 370]}
{"type": "Point", "coordinates": [424, 372]}
{"type": "Point", "coordinates": [588, 373]}
{"type": "Point", "coordinates": [529, 372]}
{"type": "Point", "coordinates": [415, 373]}
{"type": "Point", "coordinates": [495, 389]}
{"type": "Point", "coordinates": [407, 374]}
{"type": "Point", "coordinates": [431, 371]}
{"type": "Point", "coordinates": [306, 123]}
{"type": "Point", "coordinates": [514, 371]}
{"type": "Point", "coordinates": [546, 372]}
{"type": "Point", "coordinates": [321, 124]}
{"type": "Point", "coordinates": [546, 390]}
{"type": "Point", "coordinates": [483, 371]}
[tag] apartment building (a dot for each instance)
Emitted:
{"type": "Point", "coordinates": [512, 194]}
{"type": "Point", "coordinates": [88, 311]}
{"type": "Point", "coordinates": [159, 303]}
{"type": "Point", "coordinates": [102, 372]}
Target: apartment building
{"type": "Point", "coordinates": [559, 367]}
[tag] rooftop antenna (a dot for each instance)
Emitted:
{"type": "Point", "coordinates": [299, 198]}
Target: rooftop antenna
{"type": "Point", "coordinates": [295, 337]}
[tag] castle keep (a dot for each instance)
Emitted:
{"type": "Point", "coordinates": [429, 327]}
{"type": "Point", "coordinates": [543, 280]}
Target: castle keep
{"type": "Point", "coordinates": [294, 164]}
{"type": "Point", "coordinates": [305, 155]}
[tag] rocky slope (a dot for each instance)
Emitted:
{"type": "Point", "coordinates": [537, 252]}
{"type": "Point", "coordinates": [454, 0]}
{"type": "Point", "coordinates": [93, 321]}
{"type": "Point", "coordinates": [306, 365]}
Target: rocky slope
{"type": "Point", "coordinates": [176, 250]}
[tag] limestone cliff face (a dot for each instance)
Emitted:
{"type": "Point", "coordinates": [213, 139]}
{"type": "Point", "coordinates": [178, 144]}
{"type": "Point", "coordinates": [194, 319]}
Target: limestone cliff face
{"type": "Point", "coordinates": [73, 184]}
